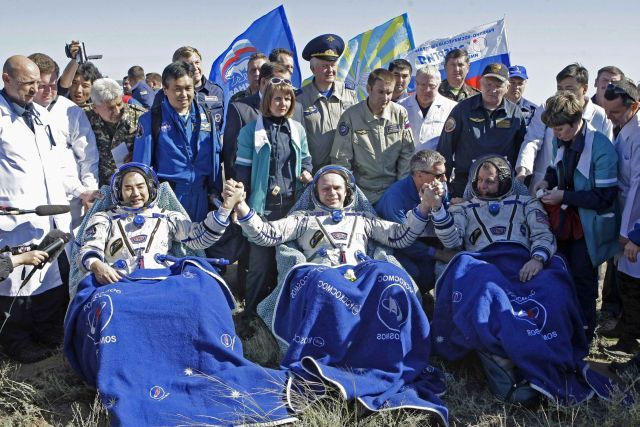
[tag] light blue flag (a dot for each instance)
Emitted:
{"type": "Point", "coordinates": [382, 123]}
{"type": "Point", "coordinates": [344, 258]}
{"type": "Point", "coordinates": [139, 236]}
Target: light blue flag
{"type": "Point", "coordinates": [374, 49]}
{"type": "Point", "coordinates": [266, 33]}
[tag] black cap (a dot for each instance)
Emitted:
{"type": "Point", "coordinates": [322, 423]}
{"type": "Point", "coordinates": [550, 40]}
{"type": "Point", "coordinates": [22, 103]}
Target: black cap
{"type": "Point", "coordinates": [327, 47]}
{"type": "Point", "coordinates": [497, 70]}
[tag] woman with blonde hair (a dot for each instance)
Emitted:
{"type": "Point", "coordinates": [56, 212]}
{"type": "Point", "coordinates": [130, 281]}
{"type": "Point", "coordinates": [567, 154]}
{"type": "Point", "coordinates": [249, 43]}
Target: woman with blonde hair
{"type": "Point", "coordinates": [274, 164]}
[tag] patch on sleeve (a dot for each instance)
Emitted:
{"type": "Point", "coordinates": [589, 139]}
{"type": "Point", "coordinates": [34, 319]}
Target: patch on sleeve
{"type": "Point", "coordinates": [450, 125]}
{"type": "Point", "coordinates": [542, 217]}
{"type": "Point", "coordinates": [473, 237]}
{"type": "Point", "coordinates": [140, 130]}
{"type": "Point", "coordinates": [90, 231]}
{"type": "Point", "coordinates": [343, 129]}
{"type": "Point", "coordinates": [407, 125]}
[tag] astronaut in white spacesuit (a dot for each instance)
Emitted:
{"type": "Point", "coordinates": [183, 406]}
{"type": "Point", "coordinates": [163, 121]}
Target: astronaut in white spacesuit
{"type": "Point", "coordinates": [332, 233]}
{"type": "Point", "coordinates": [132, 233]}
{"type": "Point", "coordinates": [494, 214]}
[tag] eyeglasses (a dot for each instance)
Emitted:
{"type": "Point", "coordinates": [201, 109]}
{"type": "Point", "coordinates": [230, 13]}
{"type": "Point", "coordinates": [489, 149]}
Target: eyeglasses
{"type": "Point", "coordinates": [45, 86]}
{"type": "Point", "coordinates": [278, 80]}
{"type": "Point", "coordinates": [436, 175]}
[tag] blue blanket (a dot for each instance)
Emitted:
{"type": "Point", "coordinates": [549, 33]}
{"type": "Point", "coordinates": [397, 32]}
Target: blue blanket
{"type": "Point", "coordinates": [366, 336]}
{"type": "Point", "coordinates": [482, 305]}
{"type": "Point", "coordinates": [161, 348]}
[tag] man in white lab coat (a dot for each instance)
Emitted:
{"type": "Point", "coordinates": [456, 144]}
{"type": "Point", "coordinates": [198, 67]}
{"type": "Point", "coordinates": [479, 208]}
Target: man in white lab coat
{"type": "Point", "coordinates": [33, 172]}
{"type": "Point", "coordinates": [427, 109]}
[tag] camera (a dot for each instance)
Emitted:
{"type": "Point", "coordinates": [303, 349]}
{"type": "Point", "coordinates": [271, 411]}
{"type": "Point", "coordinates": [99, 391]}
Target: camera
{"type": "Point", "coordinates": [81, 57]}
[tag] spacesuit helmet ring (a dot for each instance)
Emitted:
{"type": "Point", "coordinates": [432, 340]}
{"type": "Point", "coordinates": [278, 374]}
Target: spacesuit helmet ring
{"type": "Point", "coordinates": [145, 171]}
{"type": "Point", "coordinates": [350, 183]}
{"type": "Point", "coordinates": [504, 172]}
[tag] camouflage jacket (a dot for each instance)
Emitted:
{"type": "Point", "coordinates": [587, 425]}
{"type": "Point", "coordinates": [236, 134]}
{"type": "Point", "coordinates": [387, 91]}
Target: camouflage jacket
{"type": "Point", "coordinates": [465, 92]}
{"type": "Point", "coordinates": [125, 131]}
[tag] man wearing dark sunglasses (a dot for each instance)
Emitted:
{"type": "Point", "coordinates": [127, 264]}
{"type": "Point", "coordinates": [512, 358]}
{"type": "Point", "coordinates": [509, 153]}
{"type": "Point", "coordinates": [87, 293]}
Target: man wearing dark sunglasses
{"type": "Point", "coordinates": [427, 167]}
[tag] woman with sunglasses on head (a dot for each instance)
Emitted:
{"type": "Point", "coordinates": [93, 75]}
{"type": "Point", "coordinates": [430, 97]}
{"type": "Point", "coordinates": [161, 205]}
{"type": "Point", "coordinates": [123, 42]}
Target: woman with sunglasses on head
{"type": "Point", "coordinates": [274, 164]}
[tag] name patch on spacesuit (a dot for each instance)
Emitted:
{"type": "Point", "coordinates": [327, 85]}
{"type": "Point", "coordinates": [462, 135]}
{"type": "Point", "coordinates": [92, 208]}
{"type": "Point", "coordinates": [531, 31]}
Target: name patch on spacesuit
{"type": "Point", "coordinates": [339, 235]}
{"type": "Point", "coordinates": [139, 238]}
{"type": "Point", "coordinates": [115, 247]}
{"type": "Point", "coordinates": [498, 230]}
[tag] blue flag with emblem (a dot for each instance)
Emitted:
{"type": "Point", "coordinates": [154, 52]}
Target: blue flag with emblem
{"type": "Point", "coordinates": [374, 49]}
{"type": "Point", "coordinates": [263, 35]}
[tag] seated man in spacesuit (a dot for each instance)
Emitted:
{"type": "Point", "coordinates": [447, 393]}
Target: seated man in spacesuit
{"type": "Point", "coordinates": [344, 318]}
{"type": "Point", "coordinates": [508, 295]}
{"type": "Point", "coordinates": [130, 235]}
{"type": "Point", "coordinates": [137, 306]}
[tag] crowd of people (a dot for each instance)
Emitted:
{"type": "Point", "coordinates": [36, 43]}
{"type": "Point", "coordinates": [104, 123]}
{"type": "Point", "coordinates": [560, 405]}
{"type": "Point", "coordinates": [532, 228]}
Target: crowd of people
{"type": "Point", "coordinates": [64, 134]}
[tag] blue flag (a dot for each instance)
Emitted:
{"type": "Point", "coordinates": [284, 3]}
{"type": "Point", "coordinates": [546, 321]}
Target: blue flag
{"type": "Point", "coordinates": [374, 49]}
{"type": "Point", "coordinates": [266, 33]}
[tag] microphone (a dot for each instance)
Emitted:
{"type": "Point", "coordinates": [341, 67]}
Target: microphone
{"type": "Point", "coordinates": [43, 210]}
{"type": "Point", "coordinates": [52, 243]}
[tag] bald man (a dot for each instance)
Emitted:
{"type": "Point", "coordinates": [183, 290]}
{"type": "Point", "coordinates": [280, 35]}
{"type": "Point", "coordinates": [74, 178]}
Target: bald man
{"type": "Point", "coordinates": [32, 173]}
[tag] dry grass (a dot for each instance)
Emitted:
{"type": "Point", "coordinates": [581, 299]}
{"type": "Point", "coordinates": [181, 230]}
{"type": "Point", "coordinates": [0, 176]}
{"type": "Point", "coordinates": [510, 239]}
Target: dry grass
{"type": "Point", "coordinates": [49, 393]}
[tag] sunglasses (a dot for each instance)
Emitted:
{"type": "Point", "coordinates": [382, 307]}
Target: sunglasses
{"type": "Point", "coordinates": [613, 91]}
{"type": "Point", "coordinates": [278, 80]}
{"type": "Point", "coordinates": [436, 175]}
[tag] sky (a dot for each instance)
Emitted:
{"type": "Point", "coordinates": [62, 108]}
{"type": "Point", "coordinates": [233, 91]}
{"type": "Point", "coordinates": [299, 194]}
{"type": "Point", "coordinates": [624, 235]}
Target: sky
{"type": "Point", "coordinates": [543, 35]}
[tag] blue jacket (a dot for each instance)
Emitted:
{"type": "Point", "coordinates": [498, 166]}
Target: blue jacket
{"type": "Point", "coordinates": [401, 197]}
{"type": "Point", "coordinates": [185, 157]}
{"type": "Point", "coordinates": [597, 167]}
{"type": "Point", "coordinates": [211, 96]}
{"type": "Point", "coordinates": [143, 93]}
{"type": "Point", "coordinates": [254, 151]}
{"type": "Point", "coordinates": [471, 131]}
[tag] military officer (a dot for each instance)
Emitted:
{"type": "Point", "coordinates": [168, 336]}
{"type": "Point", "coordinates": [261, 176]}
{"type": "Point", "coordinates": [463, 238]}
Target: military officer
{"type": "Point", "coordinates": [374, 138]}
{"type": "Point", "coordinates": [325, 99]}
{"type": "Point", "coordinates": [480, 125]}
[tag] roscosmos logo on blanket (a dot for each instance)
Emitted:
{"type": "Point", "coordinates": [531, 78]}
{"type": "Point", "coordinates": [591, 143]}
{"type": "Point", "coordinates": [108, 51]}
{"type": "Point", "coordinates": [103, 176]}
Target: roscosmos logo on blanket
{"type": "Point", "coordinates": [99, 312]}
{"type": "Point", "coordinates": [533, 312]}
{"type": "Point", "coordinates": [393, 307]}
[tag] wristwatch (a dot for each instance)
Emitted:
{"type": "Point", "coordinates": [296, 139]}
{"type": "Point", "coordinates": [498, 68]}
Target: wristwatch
{"type": "Point", "coordinates": [538, 257]}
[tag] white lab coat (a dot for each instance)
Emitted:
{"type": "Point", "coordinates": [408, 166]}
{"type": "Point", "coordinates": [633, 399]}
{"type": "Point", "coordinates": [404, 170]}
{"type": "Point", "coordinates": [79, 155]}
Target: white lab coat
{"type": "Point", "coordinates": [33, 172]}
{"type": "Point", "coordinates": [627, 145]}
{"type": "Point", "coordinates": [536, 153]}
{"type": "Point", "coordinates": [77, 131]}
{"type": "Point", "coordinates": [426, 130]}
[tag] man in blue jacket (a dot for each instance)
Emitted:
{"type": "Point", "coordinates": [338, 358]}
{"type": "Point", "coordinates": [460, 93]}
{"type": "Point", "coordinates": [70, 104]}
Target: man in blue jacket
{"type": "Point", "coordinates": [178, 139]}
{"type": "Point", "coordinates": [418, 259]}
